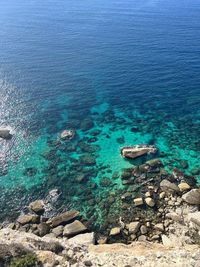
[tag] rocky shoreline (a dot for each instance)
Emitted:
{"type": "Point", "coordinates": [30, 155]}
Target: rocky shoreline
{"type": "Point", "coordinates": [166, 213]}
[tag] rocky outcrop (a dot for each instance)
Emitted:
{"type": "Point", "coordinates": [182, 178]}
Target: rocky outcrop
{"type": "Point", "coordinates": [63, 218]}
{"type": "Point", "coordinates": [133, 152]}
{"type": "Point", "coordinates": [74, 228]}
{"type": "Point", "coordinates": [37, 206]}
{"type": "Point", "coordinates": [5, 133]}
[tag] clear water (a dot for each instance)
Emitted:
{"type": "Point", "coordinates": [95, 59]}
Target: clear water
{"type": "Point", "coordinates": [129, 69]}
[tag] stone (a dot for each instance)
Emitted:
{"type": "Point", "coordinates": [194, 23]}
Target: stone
{"type": "Point", "coordinates": [74, 228]}
{"type": "Point", "coordinates": [147, 194]}
{"type": "Point", "coordinates": [166, 241]}
{"type": "Point", "coordinates": [67, 134]}
{"type": "Point", "coordinates": [194, 219]}
{"type": "Point", "coordinates": [133, 227]}
{"type": "Point", "coordinates": [63, 218]}
{"type": "Point", "coordinates": [159, 227]}
{"type": "Point", "coordinates": [58, 231]}
{"type": "Point", "coordinates": [138, 201]}
{"type": "Point", "coordinates": [142, 238]}
{"type": "Point", "coordinates": [137, 151]}
{"type": "Point", "coordinates": [161, 195]}
{"type": "Point", "coordinates": [169, 187]}
{"type": "Point", "coordinates": [183, 186]}
{"type": "Point", "coordinates": [155, 237]}
{"type": "Point", "coordinates": [43, 229]}
{"type": "Point", "coordinates": [102, 240]}
{"type": "Point", "coordinates": [174, 216]}
{"type": "Point", "coordinates": [5, 133]}
{"type": "Point", "coordinates": [85, 239]}
{"type": "Point", "coordinates": [115, 231]}
{"type": "Point", "coordinates": [24, 219]}
{"type": "Point", "coordinates": [37, 206]}
{"type": "Point", "coordinates": [87, 159]}
{"type": "Point", "coordinates": [154, 163]}
{"type": "Point", "coordinates": [192, 197]}
{"type": "Point", "coordinates": [143, 229]}
{"type": "Point", "coordinates": [150, 202]}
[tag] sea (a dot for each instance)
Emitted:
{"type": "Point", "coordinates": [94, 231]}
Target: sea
{"type": "Point", "coordinates": [118, 73]}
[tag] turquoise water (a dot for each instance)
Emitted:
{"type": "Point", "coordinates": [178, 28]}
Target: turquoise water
{"type": "Point", "coordinates": [118, 73]}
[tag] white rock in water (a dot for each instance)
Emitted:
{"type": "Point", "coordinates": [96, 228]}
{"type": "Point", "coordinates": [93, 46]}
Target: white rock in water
{"type": "Point", "coordinates": [67, 134]}
{"type": "Point", "coordinates": [5, 133]}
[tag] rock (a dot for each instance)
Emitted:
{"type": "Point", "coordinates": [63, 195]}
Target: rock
{"type": "Point", "coordinates": [155, 237]}
{"type": "Point", "coordinates": [194, 220]}
{"type": "Point", "coordinates": [161, 195]}
{"type": "Point", "coordinates": [67, 134]}
{"type": "Point", "coordinates": [82, 239]}
{"type": "Point", "coordinates": [168, 187]}
{"type": "Point", "coordinates": [192, 197]}
{"type": "Point", "coordinates": [183, 186]}
{"type": "Point", "coordinates": [43, 229]}
{"type": "Point", "coordinates": [142, 238]}
{"type": "Point", "coordinates": [159, 227]}
{"type": "Point", "coordinates": [37, 206]}
{"type": "Point", "coordinates": [115, 231]}
{"type": "Point", "coordinates": [138, 201]}
{"type": "Point", "coordinates": [166, 241]}
{"type": "Point", "coordinates": [174, 216]}
{"type": "Point", "coordinates": [87, 159]}
{"type": "Point", "coordinates": [58, 231]}
{"type": "Point", "coordinates": [25, 219]}
{"type": "Point", "coordinates": [5, 133]}
{"type": "Point", "coordinates": [88, 263]}
{"type": "Point", "coordinates": [133, 227]}
{"type": "Point", "coordinates": [74, 228]}
{"type": "Point", "coordinates": [150, 202]}
{"type": "Point", "coordinates": [86, 124]}
{"type": "Point", "coordinates": [154, 163]}
{"type": "Point", "coordinates": [63, 218]}
{"type": "Point", "coordinates": [143, 229]}
{"type": "Point", "coordinates": [147, 194]}
{"type": "Point", "coordinates": [137, 151]}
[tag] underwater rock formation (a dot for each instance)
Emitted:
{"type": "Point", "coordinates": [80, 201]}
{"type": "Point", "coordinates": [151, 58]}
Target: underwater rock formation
{"type": "Point", "coordinates": [133, 152]}
{"type": "Point", "coordinates": [67, 134]}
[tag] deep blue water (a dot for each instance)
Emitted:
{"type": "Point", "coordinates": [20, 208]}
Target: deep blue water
{"type": "Point", "coordinates": [95, 65]}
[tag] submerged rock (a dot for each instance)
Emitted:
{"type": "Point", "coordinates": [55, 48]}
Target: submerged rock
{"type": "Point", "coordinates": [133, 152]}
{"type": "Point", "coordinates": [5, 133]}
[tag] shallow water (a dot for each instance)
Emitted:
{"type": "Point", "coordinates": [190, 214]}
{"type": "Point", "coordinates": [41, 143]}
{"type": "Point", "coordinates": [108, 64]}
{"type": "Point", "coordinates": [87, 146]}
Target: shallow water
{"type": "Point", "coordinates": [117, 72]}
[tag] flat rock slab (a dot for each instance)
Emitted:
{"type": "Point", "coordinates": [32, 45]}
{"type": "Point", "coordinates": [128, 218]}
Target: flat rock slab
{"type": "Point", "coordinates": [192, 197]}
{"type": "Point", "coordinates": [74, 228]}
{"type": "Point", "coordinates": [63, 218]}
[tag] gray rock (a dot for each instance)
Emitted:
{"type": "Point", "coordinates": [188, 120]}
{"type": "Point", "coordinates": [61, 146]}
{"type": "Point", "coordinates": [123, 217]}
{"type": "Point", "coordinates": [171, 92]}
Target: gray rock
{"type": "Point", "coordinates": [159, 227]}
{"type": "Point", "coordinates": [63, 218]}
{"type": "Point", "coordinates": [43, 229]}
{"type": "Point", "coordinates": [133, 227]}
{"type": "Point", "coordinates": [169, 187]}
{"type": "Point", "coordinates": [5, 133]}
{"type": "Point", "coordinates": [24, 219]}
{"type": "Point", "coordinates": [37, 206]}
{"type": "Point", "coordinates": [82, 239]}
{"type": "Point", "coordinates": [192, 197]}
{"type": "Point", "coordinates": [174, 216]}
{"type": "Point", "coordinates": [143, 229]}
{"type": "Point", "coordinates": [74, 228]}
{"type": "Point", "coordinates": [58, 231]}
{"type": "Point", "coordinates": [142, 238]}
{"type": "Point", "coordinates": [115, 231]}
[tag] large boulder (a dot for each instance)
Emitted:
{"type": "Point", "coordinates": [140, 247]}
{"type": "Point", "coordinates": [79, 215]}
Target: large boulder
{"type": "Point", "coordinates": [169, 187]}
{"type": "Point", "coordinates": [82, 239]}
{"type": "Point", "coordinates": [5, 133]}
{"type": "Point", "coordinates": [74, 228]}
{"type": "Point", "coordinates": [63, 218]}
{"type": "Point", "coordinates": [192, 197]}
{"type": "Point", "coordinates": [136, 151]}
